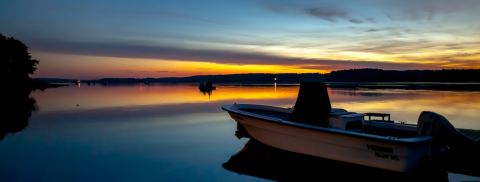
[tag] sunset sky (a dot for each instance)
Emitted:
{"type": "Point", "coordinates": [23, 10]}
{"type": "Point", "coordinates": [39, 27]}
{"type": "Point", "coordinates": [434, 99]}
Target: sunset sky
{"type": "Point", "coordinates": [98, 38]}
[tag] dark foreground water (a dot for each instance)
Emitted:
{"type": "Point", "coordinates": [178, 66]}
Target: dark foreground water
{"type": "Point", "coordinates": [175, 132]}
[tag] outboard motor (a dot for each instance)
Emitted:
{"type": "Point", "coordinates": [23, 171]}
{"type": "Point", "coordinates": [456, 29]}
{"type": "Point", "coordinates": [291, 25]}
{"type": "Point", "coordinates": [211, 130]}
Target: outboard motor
{"type": "Point", "coordinates": [462, 150]}
{"type": "Point", "coordinates": [433, 124]}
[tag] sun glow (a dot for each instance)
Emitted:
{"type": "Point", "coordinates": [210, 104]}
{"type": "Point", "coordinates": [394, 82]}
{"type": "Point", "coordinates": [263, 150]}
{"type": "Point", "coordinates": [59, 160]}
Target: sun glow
{"type": "Point", "coordinates": [110, 67]}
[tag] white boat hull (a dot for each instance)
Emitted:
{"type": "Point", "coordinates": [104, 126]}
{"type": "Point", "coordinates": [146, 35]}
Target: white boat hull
{"type": "Point", "coordinates": [368, 150]}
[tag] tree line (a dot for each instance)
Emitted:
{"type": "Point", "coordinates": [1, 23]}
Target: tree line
{"type": "Point", "coordinates": [351, 75]}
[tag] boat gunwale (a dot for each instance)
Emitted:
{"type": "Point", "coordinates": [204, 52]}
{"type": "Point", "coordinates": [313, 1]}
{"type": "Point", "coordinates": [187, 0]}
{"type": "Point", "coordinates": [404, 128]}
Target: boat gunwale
{"type": "Point", "coordinates": [415, 140]}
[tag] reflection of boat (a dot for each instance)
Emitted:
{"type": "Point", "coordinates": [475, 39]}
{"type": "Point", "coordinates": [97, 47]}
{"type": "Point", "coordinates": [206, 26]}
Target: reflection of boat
{"type": "Point", "coordinates": [260, 160]}
{"type": "Point", "coordinates": [206, 86]}
{"type": "Point", "coordinates": [315, 129]}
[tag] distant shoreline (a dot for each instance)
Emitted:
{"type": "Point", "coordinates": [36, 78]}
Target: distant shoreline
{"type": "Point", "coordinates": [42, 85]}
{"type": "Point", "coordinates": [352, 75]}
{"type": "Point", "coordinates": [444, 86]}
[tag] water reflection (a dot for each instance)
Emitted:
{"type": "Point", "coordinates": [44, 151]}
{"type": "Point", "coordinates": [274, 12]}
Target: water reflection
{"type": "Point", "coordinates": [459, 107]}
{"type": "Point", "coordinates": [171, 132]}
{"type": "Point", "coordinates": [17, 109]}
{"type": "Point", "coordinates": [208, 91]}
{"type": "Point", "coordinates": [259, 160]}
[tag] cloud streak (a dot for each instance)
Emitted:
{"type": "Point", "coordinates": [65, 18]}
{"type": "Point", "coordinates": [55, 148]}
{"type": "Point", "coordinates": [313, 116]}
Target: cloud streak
{"type": "Point", "coordinates": [229, 57]}
{"type": "Point", "coordinates": [324, 12]}
{"type": "Point", "coordinates": [356, 21]}
{"type": "Point", "coordinates": [327, 13]}
{"type": "Point", "coordinates": [406, 47]}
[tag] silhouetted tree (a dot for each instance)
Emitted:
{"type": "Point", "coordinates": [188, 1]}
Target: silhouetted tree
{"type": "Point", "coordinates": [16, 62]}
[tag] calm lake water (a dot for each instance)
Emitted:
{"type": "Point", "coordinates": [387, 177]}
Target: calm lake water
{"type": "Point", "coordinates": [175, 132]}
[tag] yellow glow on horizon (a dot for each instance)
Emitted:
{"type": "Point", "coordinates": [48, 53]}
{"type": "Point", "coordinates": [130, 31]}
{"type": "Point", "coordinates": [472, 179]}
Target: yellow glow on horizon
{"type": "Point", "coordinates": [77, 66]}
{"type": "Point", "coordinates": [209, 68]}
{"type": "Point", "coordinates": [111, 67]}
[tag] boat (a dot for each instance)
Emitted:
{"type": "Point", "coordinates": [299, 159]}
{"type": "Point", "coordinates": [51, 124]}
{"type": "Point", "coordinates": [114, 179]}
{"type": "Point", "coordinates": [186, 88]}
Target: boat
{"type": "Point", "coordinates": [313, 128]}
{"type": "Point", "coordinates": [206, 86]}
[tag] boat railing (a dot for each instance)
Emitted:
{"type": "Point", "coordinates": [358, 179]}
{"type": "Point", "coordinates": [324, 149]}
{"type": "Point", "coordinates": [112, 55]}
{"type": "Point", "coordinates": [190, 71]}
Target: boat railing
{"type": "Point", "coordinates": [382, 115]}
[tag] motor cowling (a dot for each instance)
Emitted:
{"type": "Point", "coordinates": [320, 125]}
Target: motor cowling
{"type": "Point", "coordinates": [461, 149]}
{"type": "Point", "coordinates": [437, 126]}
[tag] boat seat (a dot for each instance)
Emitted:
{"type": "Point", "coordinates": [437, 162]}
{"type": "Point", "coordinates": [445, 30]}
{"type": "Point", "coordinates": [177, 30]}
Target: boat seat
{"type": "Point", "coordinates": [347, 122]}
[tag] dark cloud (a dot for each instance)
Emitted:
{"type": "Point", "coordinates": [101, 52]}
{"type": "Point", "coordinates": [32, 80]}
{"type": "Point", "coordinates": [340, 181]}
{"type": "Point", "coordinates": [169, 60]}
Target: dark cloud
{"type": "Point", "coordinates": [327, 13]}
{"type": "Point", "coordinates": [232, 57]}
{"type": "Point", "coordinates": [370, 19]}
{"type": "Point", "coordinates": [164, 53]}
{"type": "Point", "coordinates": [356, 21]}
{"type": "Point", "coordinates": [371, 30]}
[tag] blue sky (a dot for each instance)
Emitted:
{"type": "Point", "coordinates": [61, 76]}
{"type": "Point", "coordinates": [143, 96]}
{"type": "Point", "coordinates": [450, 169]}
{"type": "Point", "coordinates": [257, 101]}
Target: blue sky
{"type": "Point", "coordinates": [87, 39]}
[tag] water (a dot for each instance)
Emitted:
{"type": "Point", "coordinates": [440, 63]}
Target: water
{"type": "Point", "coordinates": [175, 132]}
